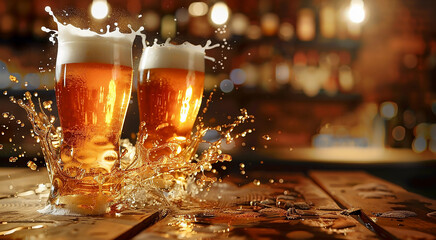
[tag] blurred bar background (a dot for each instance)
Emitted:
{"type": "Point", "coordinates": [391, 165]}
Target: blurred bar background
{"type": "Point", "coordinates": [329, 81]}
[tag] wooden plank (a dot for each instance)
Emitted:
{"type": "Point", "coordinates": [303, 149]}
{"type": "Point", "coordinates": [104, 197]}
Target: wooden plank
{"type": "Point", "coordinates": [19, 217]}
{"type": "Point", "coordinates": [388, 205]}
{"type": "Point", "coordinates": [14, 181]}
{"type": "Point", "coordinates": [250, 212]}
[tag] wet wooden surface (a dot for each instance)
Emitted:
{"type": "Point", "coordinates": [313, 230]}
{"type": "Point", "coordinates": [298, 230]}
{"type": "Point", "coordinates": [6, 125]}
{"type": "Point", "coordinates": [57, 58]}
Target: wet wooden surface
{"type": "Point", "coordinates": [24, 192]}
{"type": "Point", "coordinates": [403, 214]}
{"type": "Point", "coordinates": [274, 206]}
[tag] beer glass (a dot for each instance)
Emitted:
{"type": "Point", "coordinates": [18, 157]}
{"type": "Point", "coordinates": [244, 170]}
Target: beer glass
{"type": "Point", "coordinates": [93, 88]}
{"type": "Point", "coordinates": [170, 90]}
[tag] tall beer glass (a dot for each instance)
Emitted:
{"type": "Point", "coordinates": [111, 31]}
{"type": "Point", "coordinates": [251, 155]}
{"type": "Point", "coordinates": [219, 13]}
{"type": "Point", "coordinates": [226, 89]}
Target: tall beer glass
{"type": "Point", "coordinates": [93, 88]}
{"type": "Point", "coordinates": [170, 89]}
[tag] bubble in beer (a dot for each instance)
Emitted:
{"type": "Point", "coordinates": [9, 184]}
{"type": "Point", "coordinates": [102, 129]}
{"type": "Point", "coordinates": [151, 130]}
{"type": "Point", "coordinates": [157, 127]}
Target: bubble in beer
{"type": "Point", "coordinates": [5, 93]}
{"type": "Point", "coordinates": [5, 114]}
{"type": "Point", "coordinates": [13, 159]}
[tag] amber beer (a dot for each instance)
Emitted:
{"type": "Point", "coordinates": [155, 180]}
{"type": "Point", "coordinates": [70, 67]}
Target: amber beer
{"type": "Point", "coordinates": [170, 89]}
{"type": "Point", "coordinates": [93, 88]}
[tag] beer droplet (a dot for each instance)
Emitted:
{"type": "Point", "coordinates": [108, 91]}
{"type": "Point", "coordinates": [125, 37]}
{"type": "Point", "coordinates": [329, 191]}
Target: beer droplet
{"type": "Point", "coordinates": [253, 148]}
{"type": "Point", "coordinates": [256, 182]}
{"type": "Point", "coordinates": [26, 84]}
{"type": "Point", "coordinates": [35, 94]}
{"type": "Point", "coordinates": [1, 146]}
{"type": "Point", "coordinates": [5, 114]}
{"type": "Point", "coordinates": [271, 180]}
{"type": "Point", "coordinates": [18, 122]}
{"type": "Point", "coordinates": [241, 165]}
{"type": "Point", "coordinates": [11, 117]}
{"type": "Point", "coordinates": [12, 99]}
{"type": "Point", "coordinates": [5, 93]}
{"type": "Point", "coordinates": [13, 159]}
{"type": "Point", "coordinates": [32, 165]}
{"type": "Point", "coordinates": [13, 79]}
{"type": "Point", "coordinates": [266, 137]}
{"type": "Point", "coordinates": [47, 105]}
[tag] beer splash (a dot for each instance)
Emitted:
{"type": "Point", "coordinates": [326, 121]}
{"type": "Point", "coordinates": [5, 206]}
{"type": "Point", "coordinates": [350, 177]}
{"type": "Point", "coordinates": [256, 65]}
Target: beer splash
{"type": "Point", "coordinates": [142, 185]}
{"type": "Point", "coordinates": [136, 184]}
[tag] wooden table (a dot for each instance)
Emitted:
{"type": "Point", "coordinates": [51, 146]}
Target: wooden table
{"type": "Point", "coordinates": [277, 205]}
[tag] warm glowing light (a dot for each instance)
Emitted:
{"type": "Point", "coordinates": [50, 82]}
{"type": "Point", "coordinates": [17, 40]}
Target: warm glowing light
{"type": "Point", "coordinates": [254, 32]}
{"type": "Point", "coordinates": [286, 31]}
{"type": "Point", "coordinates": [388, 110]}
{"type": "Point", "coordinates": [197, 9]}
{"type": "Point", "coordinates": [99, 9]}
{"type": "Point", "coordinates": [270, 24]}
{"type": "Point", "coordinates": [328, 22]}
{"type": "Point", "coordinates": [356, 11]}
{"type": "Point", "coordinates": [185, 108]}
{"type": "Point", "coordinates": [151, 21]}
{"type": "Point", "coordinates": [346, 80]}
{"type": "Point", "coordinates": [111, 97]}
{"type": "Point", "coordinates": [306, 24]}
{"type": "Point", "coordinates": [219, 13]}
{"type": "Point", "coordinates": [282, 73]}
{"type": "Point", "coordinates": [239, 24]}
{"type": "Point", "coordinates": [168, 26]}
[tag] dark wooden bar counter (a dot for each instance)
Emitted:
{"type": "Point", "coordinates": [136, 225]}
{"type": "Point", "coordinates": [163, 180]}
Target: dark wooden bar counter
{"type": "Point", "coordinates": [277, 205]}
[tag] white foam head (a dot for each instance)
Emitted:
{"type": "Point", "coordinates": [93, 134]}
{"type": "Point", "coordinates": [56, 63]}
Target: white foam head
{"type": "Point", "coordinates": [184, 56]}
{"type": "Point", "coordinates": [77, 45]}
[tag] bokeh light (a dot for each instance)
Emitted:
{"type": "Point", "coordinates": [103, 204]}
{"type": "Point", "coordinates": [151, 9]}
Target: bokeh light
{"type": "Point", "coordinates": [410, 61]}
{"type": "Point", "coordinates": [99, 9]}
{"type": "Point", "coordinates": [226, 86]}
{"type": "Point", "coordinates": [168, 26]}
{"type": "Point", "coordinates": [282, 73]}
{"type": "Point", "coordinates": [398, 133]}
{"type": "Point", "coordinates": [356, 11]}
{"type": "Point", "coordinates": [286, 31]}
{"type": "Point", "coordinates": [197, 9]}
{"type": "Point", "coordinates": [306, 25]}
{"type": "Point", "coordinates": [422, 130]}
{"type": "Point", "coordinates": [388, 109]}
{"type": "Point", "coordinates": [219, 13]}
{"type": "Point", "coordinates": [182, 16]}
{"type": "Point", "coordinates": [238, 76]}
{"type": "Point", "coordinates": [151, 21]}
{"type": "Point", "coordinates": [419, 144]}
{"type": "Point", "coordinates": [254, 32]}
{"type": "Point", "coordinates": [346, 80]}
{"type": "Point", "coordinates": [270, 24]}
{"type": "Point", "coordinates": [239, 24]}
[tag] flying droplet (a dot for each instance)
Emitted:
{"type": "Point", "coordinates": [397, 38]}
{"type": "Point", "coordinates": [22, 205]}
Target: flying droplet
{"type": "Point", "coordinates": [13, 79]}
{"type": "Point", "coordinates": [32, 165]}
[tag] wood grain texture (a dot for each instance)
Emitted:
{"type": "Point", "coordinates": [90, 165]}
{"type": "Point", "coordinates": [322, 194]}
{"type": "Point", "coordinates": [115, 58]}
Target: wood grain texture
{"type": "Point", "coordinates": [385, 203]}
{"type": "Point", "coordinates": [20, 219]}
{"type": "Point", "coordinates": [238, 215]}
